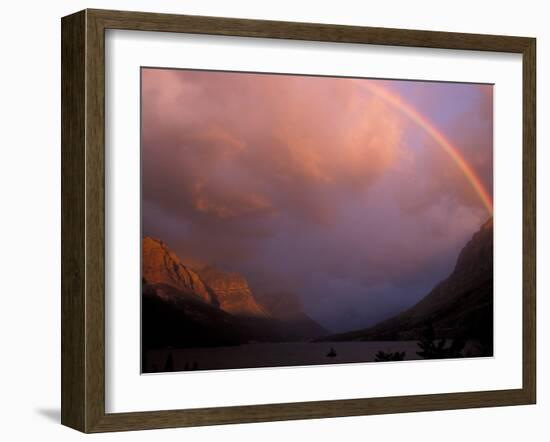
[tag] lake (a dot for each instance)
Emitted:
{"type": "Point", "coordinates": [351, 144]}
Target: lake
{"type": "Point", "coordinates": [273, 355]}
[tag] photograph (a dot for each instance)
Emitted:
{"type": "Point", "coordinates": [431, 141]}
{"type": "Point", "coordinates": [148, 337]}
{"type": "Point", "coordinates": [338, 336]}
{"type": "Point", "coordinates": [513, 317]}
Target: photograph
{"type": "Point", "coordinates": [299, 220]}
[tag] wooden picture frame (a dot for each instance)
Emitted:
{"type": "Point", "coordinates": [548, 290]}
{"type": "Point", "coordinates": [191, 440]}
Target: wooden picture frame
{"type": "Point", "coordinates": [83, 220]}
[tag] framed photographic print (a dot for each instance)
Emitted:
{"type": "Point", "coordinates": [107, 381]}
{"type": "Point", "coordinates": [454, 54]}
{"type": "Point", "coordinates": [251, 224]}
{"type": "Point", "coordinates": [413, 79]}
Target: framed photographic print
{"type": "Point", "coordinates": [270, 220]}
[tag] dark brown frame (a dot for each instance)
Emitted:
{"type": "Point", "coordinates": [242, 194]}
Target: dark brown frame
{"type": "Point", "coordinates": [83, 216]}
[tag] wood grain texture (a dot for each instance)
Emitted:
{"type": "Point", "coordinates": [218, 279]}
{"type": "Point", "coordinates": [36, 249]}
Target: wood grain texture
{"type": "Point", "coordinates": [83, 220]}
{"type": "Point", "coordinates": [529, 220]}
{"type": "Point", "coordinates": [145, 21]}
{"type": "Point", "coordinates": [73, 128]}
{"type": "Point", "coordinates": [95, 222]}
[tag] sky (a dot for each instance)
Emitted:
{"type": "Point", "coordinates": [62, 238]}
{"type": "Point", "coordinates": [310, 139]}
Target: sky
{"type": "Point", "coordinates": [319, 186]}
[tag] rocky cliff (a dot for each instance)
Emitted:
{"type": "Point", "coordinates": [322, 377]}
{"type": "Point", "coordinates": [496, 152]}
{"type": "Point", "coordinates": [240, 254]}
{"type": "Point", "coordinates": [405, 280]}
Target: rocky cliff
{"type": "Point", "coordinates": [232, 292]}
{"type": "Point", "coordinates": [186, 307]}
{"type": "Point", "coordinates": [162, 266]}
{"type": "Point", "coordinates": [228, 291]}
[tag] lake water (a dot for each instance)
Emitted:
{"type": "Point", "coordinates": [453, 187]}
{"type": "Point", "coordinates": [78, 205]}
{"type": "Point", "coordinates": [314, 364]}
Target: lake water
{"type": "Point", "coordinates": [273, 355]}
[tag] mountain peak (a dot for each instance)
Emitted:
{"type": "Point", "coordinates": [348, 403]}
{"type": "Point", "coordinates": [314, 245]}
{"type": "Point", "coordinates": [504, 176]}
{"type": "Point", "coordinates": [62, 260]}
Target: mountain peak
{"type": "Point", "coordinates": [232, 292]}
{"type": "Point", "coordinates": [228, 291]}
{"type": "Point", "coordinates": [162, 266]}
{"type": "Point", "coordinates": [487, 225]}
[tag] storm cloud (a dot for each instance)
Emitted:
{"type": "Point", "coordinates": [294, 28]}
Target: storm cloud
{"type": "Point", "coordinates": [312, 184]}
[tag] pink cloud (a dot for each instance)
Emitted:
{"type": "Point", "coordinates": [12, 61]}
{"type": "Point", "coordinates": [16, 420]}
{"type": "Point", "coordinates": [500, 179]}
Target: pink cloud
{"type": "Point", "coordinates": [308, 182]}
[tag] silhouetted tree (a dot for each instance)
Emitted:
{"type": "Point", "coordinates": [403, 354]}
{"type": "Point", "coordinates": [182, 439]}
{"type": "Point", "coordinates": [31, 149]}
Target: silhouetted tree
{"type": "Point", "coordinates": [382, 356]}
{"type": "Point", "coordinates": [431, 348]}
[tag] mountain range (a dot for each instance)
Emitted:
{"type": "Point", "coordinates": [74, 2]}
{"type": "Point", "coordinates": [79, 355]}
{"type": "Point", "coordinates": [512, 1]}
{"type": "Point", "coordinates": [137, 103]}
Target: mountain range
{"type": "Point", "coordinates": [202, 306]}
{"type": "Point", "coordinates": [205, 306]}
{"type": "Point", "coordinates": [461, 306]}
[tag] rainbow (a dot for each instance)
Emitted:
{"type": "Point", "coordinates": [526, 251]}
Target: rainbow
{"type": "Point", "coordinates": [455, 154]}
